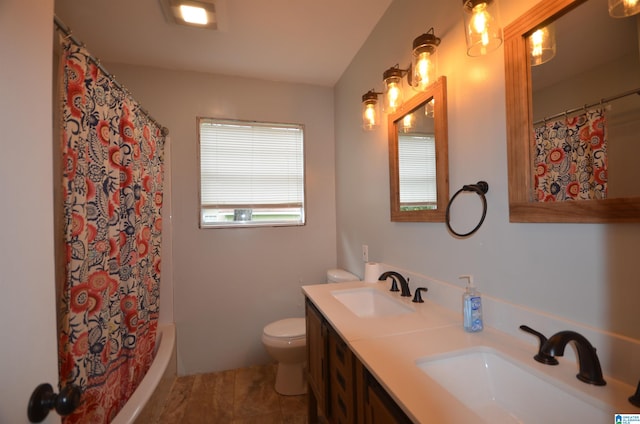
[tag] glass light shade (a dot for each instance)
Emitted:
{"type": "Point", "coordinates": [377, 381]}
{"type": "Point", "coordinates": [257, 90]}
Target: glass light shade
{"type": "Point", "coordinates": [424, 62]}
{"type": "Point", "coordinates": [393, 89]}
{"type": "Point", "coordinates": [482, 26]}
{"type": "Point", "coordinates": [429, 108]}
{"type": "Point", "coordinates": [370, 111]}
{"type": "Point", "coordinates": [623, 8]}
{"type": "Point", "coordinates": [407, 122]}
{"type": "Point", "coordinates": [542, 45]}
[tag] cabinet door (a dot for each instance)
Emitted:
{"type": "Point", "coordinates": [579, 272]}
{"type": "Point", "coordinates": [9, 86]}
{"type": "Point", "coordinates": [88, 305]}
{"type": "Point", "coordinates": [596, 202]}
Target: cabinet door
{"type": "Point", "coordinates": [316, 361]}
{"type": "Point", "coordinates": [341, 381]}
{"type": "Point", "coordinates": [359, 373]}
{"type": "Point", "coordinates": [379, 407]}
{"type": "Point", "coordinates": [340, 387]}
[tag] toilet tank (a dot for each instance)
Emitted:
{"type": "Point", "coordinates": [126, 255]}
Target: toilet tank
{"type": "Point", "coordinates": [336, 275]}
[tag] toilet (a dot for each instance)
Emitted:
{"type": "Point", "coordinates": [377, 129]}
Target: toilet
{"type": "Point", "coordinates": [285, 341]}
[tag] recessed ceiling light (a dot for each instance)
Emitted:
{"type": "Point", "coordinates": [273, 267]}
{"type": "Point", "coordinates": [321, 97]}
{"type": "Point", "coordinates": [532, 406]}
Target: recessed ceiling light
{"type": "Point", "coordinates": [193, 15]}
{"type": "Point", "coordinates": [197, 13]}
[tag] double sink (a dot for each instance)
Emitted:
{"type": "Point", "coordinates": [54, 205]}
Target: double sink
{"type": "Point", "coordinates": [485, 379]}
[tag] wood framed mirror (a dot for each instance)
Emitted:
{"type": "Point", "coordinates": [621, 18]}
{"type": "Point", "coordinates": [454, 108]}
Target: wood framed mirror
{"type": "Point", "coordinates": [526, 204]}
{"type": "Point", "coordinates": [419, 158]}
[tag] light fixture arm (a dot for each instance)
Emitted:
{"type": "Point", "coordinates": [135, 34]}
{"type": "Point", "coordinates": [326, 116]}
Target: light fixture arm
{"type": "Point", "coordinates": [396, 71]}
{"type": "Point", "coordinates": [470, 4]}
{"type": "Point", "coordinates": [370, 95]}
{"type": "Point", "coordinates": [426, 42]}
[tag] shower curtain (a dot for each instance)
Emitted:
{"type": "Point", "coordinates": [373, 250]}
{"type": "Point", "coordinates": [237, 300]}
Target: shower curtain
{"type": "Point", "coordinates": [112, 189]}
{"type": "Point", "coordinates": [571, 158]}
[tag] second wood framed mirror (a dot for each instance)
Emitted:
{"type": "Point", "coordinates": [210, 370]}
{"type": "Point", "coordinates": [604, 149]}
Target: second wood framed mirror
{"type": "Point", "coordinates": [544, 187]}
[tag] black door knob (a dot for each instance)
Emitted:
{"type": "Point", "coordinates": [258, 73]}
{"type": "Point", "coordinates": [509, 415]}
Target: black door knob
{"type": "Point", "coordinates": [43, 399]}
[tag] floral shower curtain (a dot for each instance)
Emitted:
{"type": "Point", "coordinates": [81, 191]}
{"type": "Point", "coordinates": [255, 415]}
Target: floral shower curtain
{"type": "Point", "coordinates": [112, 190]}
{"type": "Point", "coordinates": [571, 158]}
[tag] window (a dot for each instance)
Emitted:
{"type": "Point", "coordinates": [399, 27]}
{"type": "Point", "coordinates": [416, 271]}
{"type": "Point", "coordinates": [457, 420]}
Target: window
{"type": "Point", "coordinates": [417, 164]}
{"type": "Point", "coordinates": [251, 173]}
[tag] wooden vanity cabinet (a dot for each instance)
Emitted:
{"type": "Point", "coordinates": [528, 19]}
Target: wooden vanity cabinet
{"type": "Point", "coordinates": [317, 348]}
{"type": "Point", "coordinates": [379, 407]}
{"type": "Point", "coordinates": [340, 388]}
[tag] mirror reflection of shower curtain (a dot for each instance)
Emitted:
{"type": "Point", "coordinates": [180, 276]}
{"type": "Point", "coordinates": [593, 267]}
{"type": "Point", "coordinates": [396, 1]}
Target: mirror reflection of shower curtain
{"type": "Point", "coordinates": [570, 158]}
{"type": "Point", "coordinates": [112, 175]}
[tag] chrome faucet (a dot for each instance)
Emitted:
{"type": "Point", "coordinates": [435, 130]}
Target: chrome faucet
{"type": "Point", "coordinates": [397, 278]}
{"type": "Point", "coordinates": [590, 371]}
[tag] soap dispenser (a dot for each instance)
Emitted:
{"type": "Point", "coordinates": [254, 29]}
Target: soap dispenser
{"type": "Point", "coordinates": [471, 307]}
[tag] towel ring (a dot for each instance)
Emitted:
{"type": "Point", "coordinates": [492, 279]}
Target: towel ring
{"type": "Point", "coordinates": [481, 188]}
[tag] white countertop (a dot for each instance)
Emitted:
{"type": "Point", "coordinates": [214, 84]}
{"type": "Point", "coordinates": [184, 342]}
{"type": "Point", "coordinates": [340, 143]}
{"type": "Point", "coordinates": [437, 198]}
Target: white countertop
{"type": "Point", "coordinates": [390, 346]}
{"type": "Point", "coordinates": [350, 327]}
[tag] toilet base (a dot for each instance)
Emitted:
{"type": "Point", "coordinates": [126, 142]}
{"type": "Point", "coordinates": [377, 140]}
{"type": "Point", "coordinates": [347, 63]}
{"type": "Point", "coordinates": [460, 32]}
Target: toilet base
{"type": "Point", "coordinates": [291, 379]}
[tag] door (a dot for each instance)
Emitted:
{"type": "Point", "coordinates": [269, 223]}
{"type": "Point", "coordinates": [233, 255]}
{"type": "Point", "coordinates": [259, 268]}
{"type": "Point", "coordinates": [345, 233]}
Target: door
{"type": "Point", "coordinates": [27, 288]}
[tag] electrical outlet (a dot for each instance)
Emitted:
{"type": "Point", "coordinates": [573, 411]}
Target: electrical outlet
{"type": "Point", "coordinates": [365, 253]}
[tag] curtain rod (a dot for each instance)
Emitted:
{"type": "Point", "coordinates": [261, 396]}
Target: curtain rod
{"type": "Point", "coordinates": [585, 107]}
{"type": "Point", "coordinates": [68, 34]}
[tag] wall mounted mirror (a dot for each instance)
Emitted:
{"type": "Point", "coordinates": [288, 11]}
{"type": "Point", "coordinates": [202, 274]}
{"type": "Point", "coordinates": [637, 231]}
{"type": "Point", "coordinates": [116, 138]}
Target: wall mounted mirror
{"type": "Point", "coordinates": [594, 73]}
{"type": "Point", "coordinates": [419, 158]}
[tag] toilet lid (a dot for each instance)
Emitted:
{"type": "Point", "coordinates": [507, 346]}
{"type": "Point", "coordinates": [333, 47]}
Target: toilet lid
{"type": "Point", "coordinates": [289, 327]}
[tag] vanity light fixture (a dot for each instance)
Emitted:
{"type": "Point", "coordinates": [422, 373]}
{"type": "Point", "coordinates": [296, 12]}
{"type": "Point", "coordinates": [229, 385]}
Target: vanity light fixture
{"type": "Point", "coordinates": [623, 8]}
{"type": "Point", "coordinates": [423, 60]}
{"type": "Point", "coordinates": [370, 110]}
{"type": "Point", "coordinates": [196, 13]}
{"type": "Point", "coordinates": [482, 26]}
{"type": "Point", "coordinates": [542, 45]}
{"type": "Point", "coordinates": [393, 90]}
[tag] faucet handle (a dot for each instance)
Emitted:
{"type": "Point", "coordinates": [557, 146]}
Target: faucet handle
{"type": "Point", "coordinates": [417, 298]}
{"type": "Point", "coordinates": [540, 356]}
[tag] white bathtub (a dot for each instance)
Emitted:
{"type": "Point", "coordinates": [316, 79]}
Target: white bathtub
{"type": "Point", "coordinates": [146, 402]}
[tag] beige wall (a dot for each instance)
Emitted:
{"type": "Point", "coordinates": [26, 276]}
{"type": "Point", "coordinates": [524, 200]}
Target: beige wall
{"type": "Point", "coordinates": [582, 272]}
{"type": "Point", "coordinates": [27, 302]}
{"type": "Point", "coordinates": [229, 283]}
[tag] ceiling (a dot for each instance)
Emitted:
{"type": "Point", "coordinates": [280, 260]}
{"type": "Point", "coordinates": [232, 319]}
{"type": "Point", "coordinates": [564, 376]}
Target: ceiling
{"type": "Point", "coordinates": [298, 41]}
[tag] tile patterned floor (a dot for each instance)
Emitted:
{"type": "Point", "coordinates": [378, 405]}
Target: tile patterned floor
{"type": "Point", "coordinates": [241, 396]}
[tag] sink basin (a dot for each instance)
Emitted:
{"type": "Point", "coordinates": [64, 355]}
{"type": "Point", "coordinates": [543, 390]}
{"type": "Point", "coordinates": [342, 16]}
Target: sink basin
{"type": "Point", "coordinates": [501, 391]}
{"type": "Point", "coordinates": [369, 302]}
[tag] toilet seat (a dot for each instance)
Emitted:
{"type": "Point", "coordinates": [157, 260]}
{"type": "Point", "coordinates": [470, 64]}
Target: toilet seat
{"type": "Point", "coordinates": [336, 275]}
{"type": "Point", "coordinates": [288, 328]}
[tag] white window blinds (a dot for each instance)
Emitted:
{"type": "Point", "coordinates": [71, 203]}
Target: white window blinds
{"type": "Point", "coordinates": [417, 164]}
{"type": "Point", "coordinates": [251, 166]}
